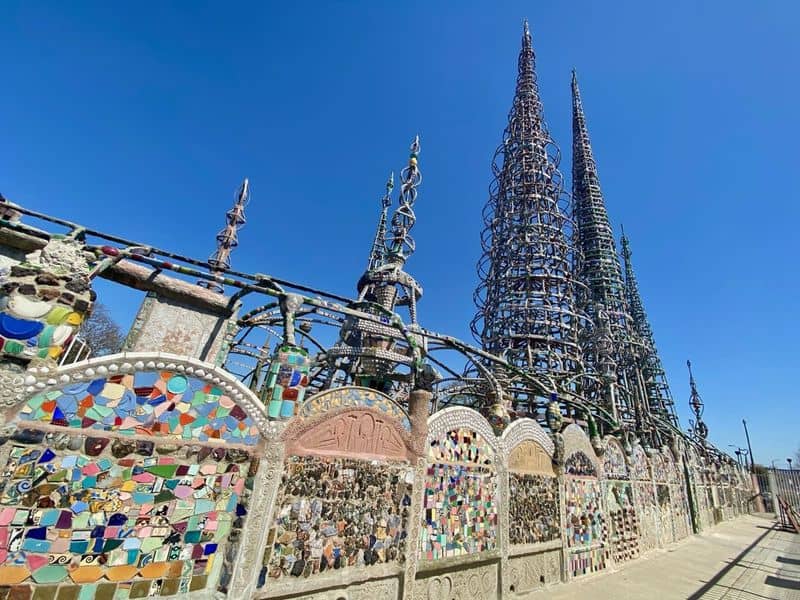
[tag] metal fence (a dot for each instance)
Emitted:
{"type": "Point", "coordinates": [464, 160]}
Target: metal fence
{"type": "Point", "coordinates": [780, 483]}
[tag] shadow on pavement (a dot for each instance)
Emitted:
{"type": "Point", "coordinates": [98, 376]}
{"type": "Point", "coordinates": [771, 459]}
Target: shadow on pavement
{"type": "Point", "coordinates": [714, 580]}
{"type": "Point", "coordinates": [789, 584]}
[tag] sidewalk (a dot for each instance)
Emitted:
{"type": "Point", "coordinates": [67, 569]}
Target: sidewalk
{"type": "Point", "coordinates": [744, 559]}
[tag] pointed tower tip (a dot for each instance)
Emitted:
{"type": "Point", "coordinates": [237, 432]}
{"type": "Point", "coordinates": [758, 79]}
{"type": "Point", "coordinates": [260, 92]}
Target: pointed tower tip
{"type": "Point", "coordinates": [415, 146]}
{"type": "Point", "coordinates": [525, 29]}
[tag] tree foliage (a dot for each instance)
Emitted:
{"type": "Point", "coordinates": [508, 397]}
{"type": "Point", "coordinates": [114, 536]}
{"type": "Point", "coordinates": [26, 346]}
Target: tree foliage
{"type": "Point", "coordinates": [101, 332]}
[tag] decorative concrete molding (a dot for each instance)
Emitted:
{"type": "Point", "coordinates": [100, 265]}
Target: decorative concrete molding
{"type": "Point", "coordinates": [350, 432]}
{"type": "Point", "coordinates": [478, 583]}
{"type": "Point", "coordinates": [456, 417]}
{"type": "Point", "coordinates": [576, 440]}
{"type": "Point", "coordinates": [527, 429]}
{"type": "Point", "coordinates": [43, 378]}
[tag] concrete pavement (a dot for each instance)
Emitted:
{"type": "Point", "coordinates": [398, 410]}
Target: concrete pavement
{"type": "Point", "coordinates": [749, 558]}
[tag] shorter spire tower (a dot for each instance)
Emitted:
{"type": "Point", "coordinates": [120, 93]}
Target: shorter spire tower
{"type": "Point", "coordinates": [227, 238]}
{"type": "Point", "coordinates": [370, 352]}
{"type": "Point", "coordinates": [609, 344]}
{"type": "Point", "coordinates": [377, 256]}
{"type": "Point", "coordinates": [659, 396]}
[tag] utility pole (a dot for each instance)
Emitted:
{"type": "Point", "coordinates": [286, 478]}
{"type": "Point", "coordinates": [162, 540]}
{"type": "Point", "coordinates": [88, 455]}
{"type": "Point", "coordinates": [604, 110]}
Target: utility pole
{"type": "Point", "coordinates": [749, 447]}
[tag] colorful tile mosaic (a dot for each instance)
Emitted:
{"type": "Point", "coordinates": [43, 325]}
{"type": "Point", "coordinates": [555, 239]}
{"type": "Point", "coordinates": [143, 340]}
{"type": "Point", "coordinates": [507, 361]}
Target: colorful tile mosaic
{"type": "Point", "coordinates": [354, 397]}
{"type": "Point", "coordinates": [579, 465]}
{"type": "Point", "coordinates": [614, 464]}
{"type": "Point", "coordinates": [34, 328]}
{"type": "Point", "coordinates": [146, 403]}
{"type": "Point", "coordinates": [287, 380]}
{"type": "Point", "coordinates": [586, 530]}
{"type": "Point", "coordinates": [624, 530]}
{"type": "Point", "coordinates": [459, 505]}
{"type": "Point", "coordinates": [461, 446]}
{"type": "Point", "coordinates": [639, 464]}
{"type": "Point", "coordinates": [337, 514]}
{"type": "Point", "coordinates": [534, 510]}
{"type": "Point", "coordinates": [43, 301]}
{"type": "Point", "coordinates": [137, 525]}
{"type": "Point", "coordinates": [666, 526]}
{"type": "Point", "coordinates": [661, 468]}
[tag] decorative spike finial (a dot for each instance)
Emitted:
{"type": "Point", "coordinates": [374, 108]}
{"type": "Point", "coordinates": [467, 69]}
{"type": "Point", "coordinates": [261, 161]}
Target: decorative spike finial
{"type": "Point", "coordinates": [696, 403]}
{"type": "Point", "coordinates": [399, 243]}
{"type": "Point", "coordinates": [227, 238]}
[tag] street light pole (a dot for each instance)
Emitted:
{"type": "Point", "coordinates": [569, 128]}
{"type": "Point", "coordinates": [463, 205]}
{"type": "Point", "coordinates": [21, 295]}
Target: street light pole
{"type": "Point", "coordinates": [749, 447]}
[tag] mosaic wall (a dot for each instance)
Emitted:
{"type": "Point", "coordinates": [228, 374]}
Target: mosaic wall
{"type": "Point", "coordinates": [580, 465]}
{"type": "Point", "coordinates": [534, 509]}
{"type": "Point", "coordinates": [639, 464]}
{"type": "Point", "coordinates": [337, 514]}
{"type": "Point", "coordinates": [681, 515]}
{"type": "Point", "coordinates": [660, 468]}
{"type": "Point", "coordinates": [459, 512]}
{"type": "Point", "coordinates": [169, 325]}
{"type": "Point", "coordinates": [647, 510]}
{"type": "Point", "coordinates": [586, 529]}
{"type": "Point", "coordinates": [666, 532]}
{"type": "Point", "coordinates": [355, 397]}
{"type": "Point", "coordinates": [43, 301]}
{"type": "Point", "coordinates": [287, 381]}
{"type": "Point", "coordinates": [624, 521]}
{"type": "Point", "coordinates": [614, 465]}
{"type": "Point", "coordinates": [85, 518]}
{"type": "Point", "coordinates": [147, 403]}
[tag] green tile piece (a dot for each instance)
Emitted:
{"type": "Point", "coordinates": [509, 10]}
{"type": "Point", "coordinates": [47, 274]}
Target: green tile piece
{"type": "Point", "coordinates": [165, 471]}
{"type": "Point", "coordinates": [49, 574]}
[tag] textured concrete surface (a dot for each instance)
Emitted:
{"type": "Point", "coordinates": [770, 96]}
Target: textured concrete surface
{"type": "Point", "coordinates": [749, 558]}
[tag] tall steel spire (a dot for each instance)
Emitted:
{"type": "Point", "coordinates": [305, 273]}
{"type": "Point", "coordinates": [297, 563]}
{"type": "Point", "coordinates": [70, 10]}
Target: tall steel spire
{"type": "Point", "coordinates": [659, 396]}
{"type": "Point", "coordinates": [600, 270]}
{"type": "Point", "coordinates": [525, 298]}
{"type": "Point", "coordinates": [227, 238]}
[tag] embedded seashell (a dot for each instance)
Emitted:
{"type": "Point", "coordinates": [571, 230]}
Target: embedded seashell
{"type": "Point", "coordinates": [26, 308]}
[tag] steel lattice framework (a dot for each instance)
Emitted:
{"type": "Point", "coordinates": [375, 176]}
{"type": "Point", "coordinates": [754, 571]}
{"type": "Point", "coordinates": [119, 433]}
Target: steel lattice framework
{"type": "Point", "coordinates": [526, 294]}
{"type": "Point", "coordinates": [659, 396]}
{"type": "Point", "coordinates": [612, 345]}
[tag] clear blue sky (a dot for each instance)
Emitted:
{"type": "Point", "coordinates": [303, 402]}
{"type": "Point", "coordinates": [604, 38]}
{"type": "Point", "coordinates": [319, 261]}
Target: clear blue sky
{"type": "Point", "coordinates": [142, 119]}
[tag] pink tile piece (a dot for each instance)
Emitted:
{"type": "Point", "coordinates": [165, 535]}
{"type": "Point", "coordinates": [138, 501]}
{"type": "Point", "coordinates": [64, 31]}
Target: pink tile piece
{"type": "Point", "coordinates": [111, 532]}
{"type": "Point", "coordinates": [144, 478]}
{"type": "Point", "coordinates": [144, 532]}
{"type": "Point", "coordinates": [6, 516]}
{"type": "Point", "coordinates": [129, 423]}
{"type": "Point", "coordinates": [35, 561]}
{"type": "Point", "coordinates": [183, 491]}
{"type": "Point", "coordinates": [91, 469]}
{"type": "Point", "coordinates": [238, 487]}
{"type": "Point", "coordinates": [208, 469]}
